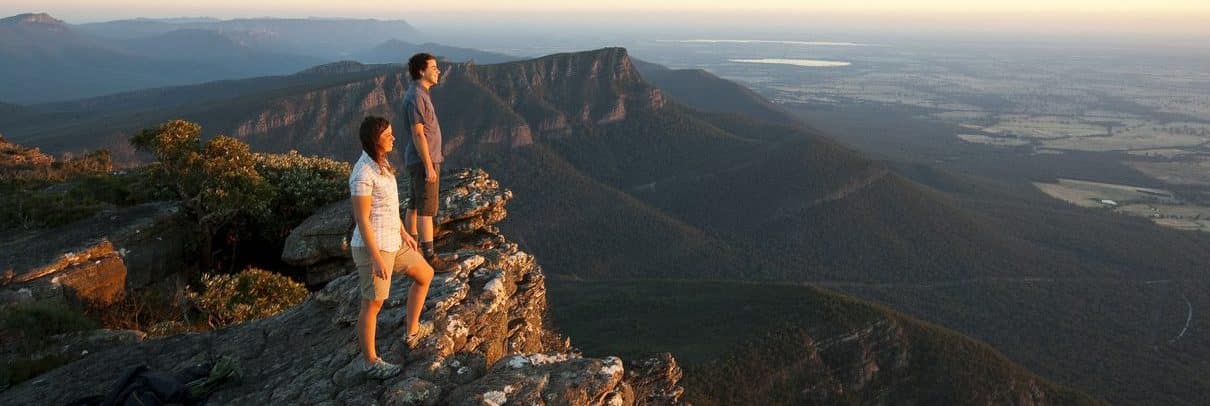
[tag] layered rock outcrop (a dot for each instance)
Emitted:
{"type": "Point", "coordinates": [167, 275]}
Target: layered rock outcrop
{"type": "Point", "coordinates": [489, 345]}
{"type": "Point", "coordinates": [93, 260]}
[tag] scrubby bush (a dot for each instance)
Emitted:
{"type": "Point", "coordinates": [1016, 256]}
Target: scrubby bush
{"type": "Point", "coordinates": [41, 169]}
{"type": "Point", "coordinates": [253, 294]}
{"type": "Point", "coordinates": [301, 185]}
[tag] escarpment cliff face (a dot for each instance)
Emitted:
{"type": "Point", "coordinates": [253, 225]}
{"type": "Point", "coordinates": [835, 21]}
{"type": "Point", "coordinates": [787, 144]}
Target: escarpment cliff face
{"type": "Point", "coordinates": [507, 104]}
{"type": "Point", "coordinates": [488, 346]}
{"type": "Point", "coordinates": [563, 91]}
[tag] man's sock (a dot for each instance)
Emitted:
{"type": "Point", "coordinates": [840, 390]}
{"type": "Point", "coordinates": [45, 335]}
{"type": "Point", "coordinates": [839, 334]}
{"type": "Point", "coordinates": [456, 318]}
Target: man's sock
{"type": "Point", "coordinates": [426, 249]}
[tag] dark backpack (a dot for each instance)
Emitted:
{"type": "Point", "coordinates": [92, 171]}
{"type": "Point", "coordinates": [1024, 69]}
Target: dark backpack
{"type": "Point", "coordinates": [143, 387]}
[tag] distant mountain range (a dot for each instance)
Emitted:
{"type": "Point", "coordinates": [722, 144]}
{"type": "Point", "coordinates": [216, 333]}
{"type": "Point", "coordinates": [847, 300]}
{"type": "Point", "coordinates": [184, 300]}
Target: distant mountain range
{"type": "Point", "coordinates": [326, 38]}
{"type": "Point", "coordinates": [43, 59]}
{"type": "Point", "coordinates": [243, 52]}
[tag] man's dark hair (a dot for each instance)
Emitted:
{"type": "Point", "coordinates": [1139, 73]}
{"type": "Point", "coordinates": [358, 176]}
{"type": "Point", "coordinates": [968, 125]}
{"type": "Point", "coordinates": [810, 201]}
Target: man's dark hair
{"type": "Point", "coordinates": [417, 63]}
{"type": "Point", "coordinates": [371, 128]}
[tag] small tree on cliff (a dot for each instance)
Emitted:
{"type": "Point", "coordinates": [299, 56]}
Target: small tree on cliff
{"type": "Point", "coordinates": [216, 181]}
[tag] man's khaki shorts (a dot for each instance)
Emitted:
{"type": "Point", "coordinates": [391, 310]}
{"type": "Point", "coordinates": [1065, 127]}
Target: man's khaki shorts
{"type": "Point", "coordinates": [373, 287]}
{"type": "Point", "coordinates": [423, 195]}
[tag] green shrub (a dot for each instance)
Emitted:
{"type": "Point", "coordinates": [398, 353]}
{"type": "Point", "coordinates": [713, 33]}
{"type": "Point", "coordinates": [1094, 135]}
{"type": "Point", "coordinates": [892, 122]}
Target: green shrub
{"type": "Point", "coordinates": [48, 195]}
{"type": "Point", "coordinates": [249, 295]}
{"type": "Point", "coordinates": [34, 322]}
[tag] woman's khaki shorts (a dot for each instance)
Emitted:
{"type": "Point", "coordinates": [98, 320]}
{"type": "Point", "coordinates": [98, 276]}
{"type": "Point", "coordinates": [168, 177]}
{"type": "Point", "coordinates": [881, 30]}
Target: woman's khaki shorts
{"type": "Point", "coordinates": [375, 288]}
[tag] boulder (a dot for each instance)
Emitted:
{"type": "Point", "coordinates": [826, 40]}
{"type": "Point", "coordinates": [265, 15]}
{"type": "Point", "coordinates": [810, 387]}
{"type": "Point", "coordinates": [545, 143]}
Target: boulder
{"type": "Point", "coordinates": [655, 380]}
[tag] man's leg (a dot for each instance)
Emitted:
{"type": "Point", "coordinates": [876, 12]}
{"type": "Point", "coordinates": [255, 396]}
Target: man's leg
{"type": "Point", "coordinates": [416, 176]}
{"type": "Point", "coordinates": [426, 236]}
{"type": "Point", "coordinates": [426, 210]}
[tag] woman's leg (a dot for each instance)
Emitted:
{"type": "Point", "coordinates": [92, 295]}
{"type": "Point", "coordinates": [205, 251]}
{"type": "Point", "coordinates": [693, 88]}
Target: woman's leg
{"type": "Point", "coordinates": [367, 322]}
{"type": "Point", "coordinates": [421, 274]}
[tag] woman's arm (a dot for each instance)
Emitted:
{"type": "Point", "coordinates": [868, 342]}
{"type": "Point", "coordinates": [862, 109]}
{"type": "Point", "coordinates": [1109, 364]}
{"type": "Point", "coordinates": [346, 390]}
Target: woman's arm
{"type": "Point", "coordinates": [361, 213]}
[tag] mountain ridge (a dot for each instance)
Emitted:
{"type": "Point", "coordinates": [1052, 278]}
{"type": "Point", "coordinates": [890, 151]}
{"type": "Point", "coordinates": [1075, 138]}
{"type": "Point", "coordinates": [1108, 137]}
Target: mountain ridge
{"type": "Point", "coordinates": [398, 51]}
{"type": "Point", "coordinates": [33, 18]}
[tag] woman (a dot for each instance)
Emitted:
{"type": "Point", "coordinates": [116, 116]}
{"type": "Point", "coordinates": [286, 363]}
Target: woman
{"type": "Point", "coordinates": [379, 245]}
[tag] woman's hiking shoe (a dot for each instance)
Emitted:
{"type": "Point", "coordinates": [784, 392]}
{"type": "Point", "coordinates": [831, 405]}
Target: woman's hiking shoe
{"type": "Point", "coordinates": [413, 339]}
{"type": "Point", "coordinates": [380, 369]}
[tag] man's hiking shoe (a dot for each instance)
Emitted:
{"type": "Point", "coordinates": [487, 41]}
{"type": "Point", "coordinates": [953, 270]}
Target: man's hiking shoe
{"type": "Point", "coordinates": [440, 265]}
{"type": "Point", "coordinates": [380, 369]}
{"type": "Point", "coordinates": [413, 339]}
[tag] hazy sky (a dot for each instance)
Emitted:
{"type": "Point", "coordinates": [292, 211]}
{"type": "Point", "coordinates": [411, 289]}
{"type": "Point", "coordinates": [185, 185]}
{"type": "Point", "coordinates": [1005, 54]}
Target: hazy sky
{"type": "Point", "coordinates": [1161, 16]}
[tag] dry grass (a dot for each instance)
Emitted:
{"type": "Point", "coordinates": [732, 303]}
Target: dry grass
{"type": "Point", "coordinates": [1158, 205]}
{"type": "Point", "coordinates": [997, 141]}
{"type": "Point", "coordinates": [150, 311]}
{"type": "Point", "coordinates": [1194, 173]}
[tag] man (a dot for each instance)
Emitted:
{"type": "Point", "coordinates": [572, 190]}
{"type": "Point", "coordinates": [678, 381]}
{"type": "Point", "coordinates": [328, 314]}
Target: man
{"type": "Point", "coordinates": [422, 156]}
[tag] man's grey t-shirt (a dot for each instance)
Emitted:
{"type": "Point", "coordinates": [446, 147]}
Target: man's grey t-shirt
{"type": "Point", "coordinates": [418, 108]}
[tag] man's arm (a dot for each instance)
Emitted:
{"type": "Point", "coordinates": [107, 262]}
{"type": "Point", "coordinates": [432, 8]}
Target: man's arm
{"type": "Point", "coordinates": [422, 149]}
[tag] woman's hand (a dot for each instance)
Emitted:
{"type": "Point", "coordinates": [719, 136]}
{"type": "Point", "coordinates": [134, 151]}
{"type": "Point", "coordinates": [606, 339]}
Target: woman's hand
{"type": "Point", "coordinates": [379, 269]}
{"type": "Point", "coordinates": [430, 174]}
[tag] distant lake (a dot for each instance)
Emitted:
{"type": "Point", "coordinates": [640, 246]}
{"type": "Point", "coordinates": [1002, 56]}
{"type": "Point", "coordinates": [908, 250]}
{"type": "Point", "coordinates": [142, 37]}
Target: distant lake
{"type": "Point", "coordinates": [810, 63]}
{"type": "Point", "coordinates": [759, 41]}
